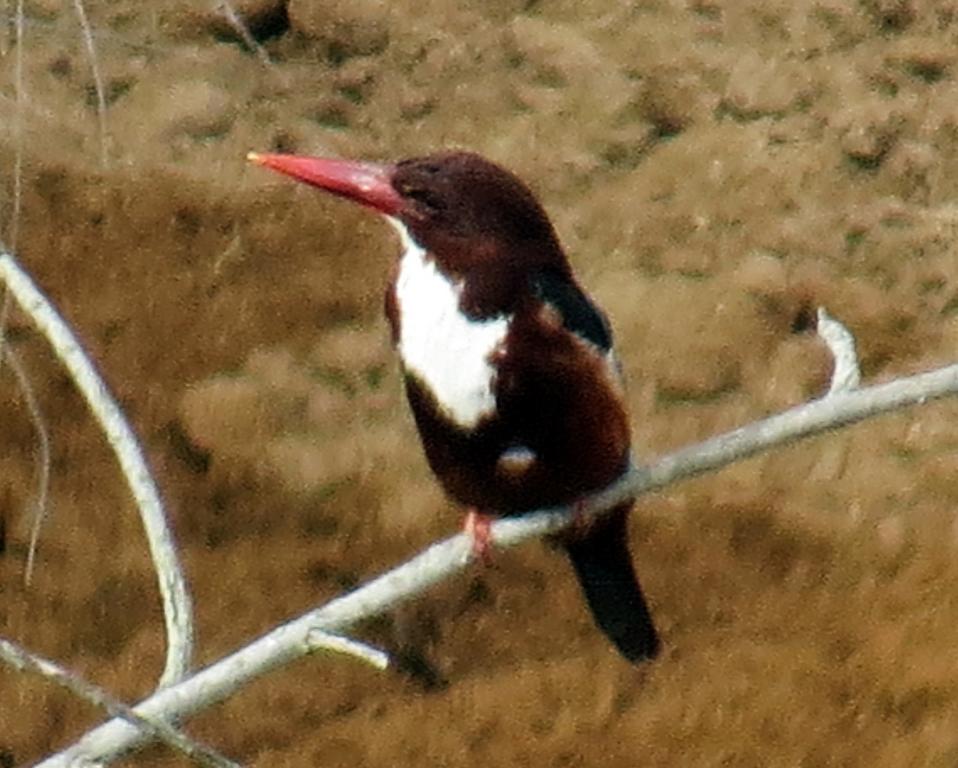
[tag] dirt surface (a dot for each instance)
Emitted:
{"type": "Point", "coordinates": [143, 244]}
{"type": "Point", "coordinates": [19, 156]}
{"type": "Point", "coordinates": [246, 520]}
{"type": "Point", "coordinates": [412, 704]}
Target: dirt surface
{"type": "Point", "coordinates": [715, 169]}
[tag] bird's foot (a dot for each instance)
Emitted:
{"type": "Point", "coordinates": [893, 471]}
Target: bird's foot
{"type": "Point", "coordinates": [478, 526]}
{"type": "Point", "coordinates": [581, 523]}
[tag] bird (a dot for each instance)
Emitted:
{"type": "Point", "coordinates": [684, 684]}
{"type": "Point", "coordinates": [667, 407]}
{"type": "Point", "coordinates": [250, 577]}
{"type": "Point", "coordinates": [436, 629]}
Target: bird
{"type": "Point", "coordinates": [508, 364]}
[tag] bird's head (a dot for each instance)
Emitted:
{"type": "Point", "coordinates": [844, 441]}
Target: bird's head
{"type": "Point", "coordinates": [467, 212]}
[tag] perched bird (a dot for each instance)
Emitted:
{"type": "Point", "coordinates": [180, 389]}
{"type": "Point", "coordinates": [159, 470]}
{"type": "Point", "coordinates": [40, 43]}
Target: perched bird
{"type": "Point", "coordinates": [508, 364]}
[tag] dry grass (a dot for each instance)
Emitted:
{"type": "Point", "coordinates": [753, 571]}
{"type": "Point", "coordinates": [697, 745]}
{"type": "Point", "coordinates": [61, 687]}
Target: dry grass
{"type": "Point", "coordinates": [715, 168]}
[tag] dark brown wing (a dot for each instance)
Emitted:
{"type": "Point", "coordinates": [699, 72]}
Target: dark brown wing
{"type": "Point", "coordinates": [579, 315]}
{"type": "Point", "coordinates": [558, 391]}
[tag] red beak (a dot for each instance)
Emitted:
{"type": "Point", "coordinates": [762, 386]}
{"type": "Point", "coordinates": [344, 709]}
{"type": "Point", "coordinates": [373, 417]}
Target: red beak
{"type": "Point", "coordinates": [366, 183]}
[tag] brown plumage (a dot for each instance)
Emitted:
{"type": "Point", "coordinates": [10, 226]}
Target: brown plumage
{"type": "Point", "coordinates": [509, 367]}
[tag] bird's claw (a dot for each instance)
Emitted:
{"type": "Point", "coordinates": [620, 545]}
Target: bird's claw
{"type": "Point", "coordinates": [479, 527]}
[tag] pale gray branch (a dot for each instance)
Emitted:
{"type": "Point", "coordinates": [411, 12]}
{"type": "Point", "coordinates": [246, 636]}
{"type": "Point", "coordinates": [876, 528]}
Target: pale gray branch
{"type": "Point", "coordinates": [841, 343]}
{"type": "Point", "coordinates": [24, 660]}
{"type": "Point", "coordinates": [440, 561]}
{"type": "Point", "coordinates": [177, 607]}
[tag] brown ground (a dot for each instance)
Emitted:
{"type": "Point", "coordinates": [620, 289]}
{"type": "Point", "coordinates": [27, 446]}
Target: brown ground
{"type": "Point", "coordinates": [714, 168]}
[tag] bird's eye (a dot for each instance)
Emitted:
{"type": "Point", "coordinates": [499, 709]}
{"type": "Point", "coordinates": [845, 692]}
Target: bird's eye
{"type": "Point", "coordinates": [426, 198]}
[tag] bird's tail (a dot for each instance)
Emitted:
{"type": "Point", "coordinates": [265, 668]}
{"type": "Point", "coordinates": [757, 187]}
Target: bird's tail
{"type": "Point", "coordinates": [600, 556]}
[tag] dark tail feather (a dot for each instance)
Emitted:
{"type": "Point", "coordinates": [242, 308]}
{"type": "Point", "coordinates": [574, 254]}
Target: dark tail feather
{"type": "Point", "coordinates": [603, 565]}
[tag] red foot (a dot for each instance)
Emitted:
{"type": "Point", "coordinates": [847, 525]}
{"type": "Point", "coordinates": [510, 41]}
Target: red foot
{"type": "Point", "coordinates": [477, 525]}
{"type": "Point", "coordinates": [579, 527]}
{"type": "Point", "coordinates": [580, 524]}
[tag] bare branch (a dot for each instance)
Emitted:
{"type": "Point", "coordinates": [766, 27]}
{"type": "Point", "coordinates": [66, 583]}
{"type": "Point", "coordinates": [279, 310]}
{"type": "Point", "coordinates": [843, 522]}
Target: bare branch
{"type": "Point", "coordinates": [442, 560]}
{"type": "Point", "coordinates": [24, 660]}
{"type": "Point", "coordinates": [177, 607]}
{"type": "Point", "coordinates": [841, 344]}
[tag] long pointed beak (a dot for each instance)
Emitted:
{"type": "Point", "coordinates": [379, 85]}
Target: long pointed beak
{"type": "Point", "coordinates": [367, 183]}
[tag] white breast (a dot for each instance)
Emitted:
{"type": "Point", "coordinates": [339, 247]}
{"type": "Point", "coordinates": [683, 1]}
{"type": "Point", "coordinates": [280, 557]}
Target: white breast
{"type": "Point", "coordinates": [447, 351]}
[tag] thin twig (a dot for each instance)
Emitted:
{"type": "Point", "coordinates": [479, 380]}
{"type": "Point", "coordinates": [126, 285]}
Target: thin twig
{"type": "Point", "coordinates": [24, 660]}
{"type": "Point", "coordinates": [319, 640]}
{"type": "Point", "coordinates": [40, 505]}
{"type": "Point", "coordinates": [33, 407]}
{"type": "Point", "coordinates": [226, 8]}
{"type": "Point", "coordinates": [177, 607]}
{"type": "Point", "coordinates": [14, 229]}
{"type": "Point", "coordinates": [97, 80]}
{"type": "Point", "coordinates": [440, 561]}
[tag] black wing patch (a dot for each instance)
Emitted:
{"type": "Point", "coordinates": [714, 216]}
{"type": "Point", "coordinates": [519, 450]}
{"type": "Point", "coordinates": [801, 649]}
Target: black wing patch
{"type": "Point", "coordinates": [578, 313]}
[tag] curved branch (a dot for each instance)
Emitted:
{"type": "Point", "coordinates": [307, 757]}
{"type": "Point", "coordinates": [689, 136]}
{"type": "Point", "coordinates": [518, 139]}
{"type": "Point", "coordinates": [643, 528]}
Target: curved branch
{"type": "Point", "coordinates": [841, 343]}
{"type": "Point", "coordinates": [291, 641]}
{"type": "Point", "coordinates": [177, 607]}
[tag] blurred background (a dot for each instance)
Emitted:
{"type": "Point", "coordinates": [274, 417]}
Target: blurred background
{"type": "Point", "coordinates": [716, 170]}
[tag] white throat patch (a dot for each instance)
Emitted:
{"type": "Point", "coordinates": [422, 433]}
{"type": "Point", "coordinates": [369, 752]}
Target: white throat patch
{"type": "Point", "coordinates": [446, 350]}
